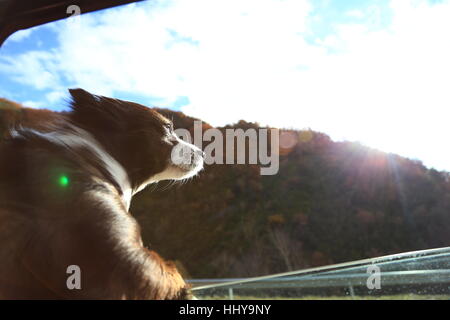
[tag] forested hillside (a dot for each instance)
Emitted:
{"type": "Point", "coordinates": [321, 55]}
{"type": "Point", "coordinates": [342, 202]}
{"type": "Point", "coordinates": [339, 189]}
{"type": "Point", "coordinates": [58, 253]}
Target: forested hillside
{"type": "Point", "coordinates": [330, 202]}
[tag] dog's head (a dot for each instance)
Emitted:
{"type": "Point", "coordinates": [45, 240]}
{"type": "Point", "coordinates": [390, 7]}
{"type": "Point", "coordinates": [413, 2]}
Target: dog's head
{"type": "Point", "coordinates": [138, 137]}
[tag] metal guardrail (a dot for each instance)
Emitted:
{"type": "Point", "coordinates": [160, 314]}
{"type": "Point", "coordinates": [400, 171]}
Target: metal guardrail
{"type": "Point", "coordinates": [387, 279]}
{"type": "Point", "coordinates": [412, 268]}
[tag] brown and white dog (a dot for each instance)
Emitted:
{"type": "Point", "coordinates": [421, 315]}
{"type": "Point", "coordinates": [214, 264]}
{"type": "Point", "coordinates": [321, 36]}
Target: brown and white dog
{"type": "Point", "coordinates": [65, 191]}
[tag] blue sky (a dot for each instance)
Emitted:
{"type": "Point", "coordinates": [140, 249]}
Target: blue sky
{"type": "Point", "coordinates": [324, 16]}
{"type": "Point", "coordinates": [373, 71]}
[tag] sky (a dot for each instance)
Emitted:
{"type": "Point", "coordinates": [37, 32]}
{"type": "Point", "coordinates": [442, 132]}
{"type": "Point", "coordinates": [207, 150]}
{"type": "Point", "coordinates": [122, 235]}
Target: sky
{"type": "Point", "coordinates": [372, 71]}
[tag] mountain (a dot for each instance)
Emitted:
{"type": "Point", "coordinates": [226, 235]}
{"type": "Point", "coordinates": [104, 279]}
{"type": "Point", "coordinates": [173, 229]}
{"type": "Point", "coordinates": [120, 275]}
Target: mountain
{"type": "Point", "coordinates": [330, 202]}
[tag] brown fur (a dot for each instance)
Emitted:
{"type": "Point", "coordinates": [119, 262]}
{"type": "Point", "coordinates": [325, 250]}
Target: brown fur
{"type": "Point", "coordinates": [45, 228]}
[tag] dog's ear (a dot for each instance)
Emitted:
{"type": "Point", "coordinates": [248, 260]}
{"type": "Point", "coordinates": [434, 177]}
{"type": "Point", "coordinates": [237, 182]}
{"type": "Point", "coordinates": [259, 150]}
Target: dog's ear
{"type": "Point", "coordinates": [85, 102]}
{"type": "Point", "coordinates": [91, 110]}
{"type": "Point", "coordinates": [81, 96]}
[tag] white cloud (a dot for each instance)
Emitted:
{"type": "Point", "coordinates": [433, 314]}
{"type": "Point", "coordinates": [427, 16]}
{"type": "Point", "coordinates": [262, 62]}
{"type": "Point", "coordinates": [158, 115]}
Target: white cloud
{"type": "Point", "coordinates": [35, 68]}
{"type": "Point", "coordinates": [33, 104]}
{"type": "Point", "coordinates": [356, 14]}
{"type": "Point", "coordinates": [56, 95]}
{"type": "Point", "coordinates": [386, 87]}
{"type": "Point", "coordinates": [20, 35]}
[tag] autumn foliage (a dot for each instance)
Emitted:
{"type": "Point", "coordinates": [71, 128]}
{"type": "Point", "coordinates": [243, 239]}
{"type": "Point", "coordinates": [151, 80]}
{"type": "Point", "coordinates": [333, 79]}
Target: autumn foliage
{"type": "Point", "coordinates": [330, 202]}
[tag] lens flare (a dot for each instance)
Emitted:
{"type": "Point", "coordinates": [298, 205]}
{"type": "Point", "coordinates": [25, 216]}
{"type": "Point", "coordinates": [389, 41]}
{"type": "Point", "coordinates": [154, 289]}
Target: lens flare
{"type": "Point", "coordinates": [63, 181]}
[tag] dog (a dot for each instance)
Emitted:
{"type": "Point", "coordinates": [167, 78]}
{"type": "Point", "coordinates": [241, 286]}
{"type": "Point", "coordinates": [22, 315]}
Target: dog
{"type": "Point", "coordinates": [65, 192]}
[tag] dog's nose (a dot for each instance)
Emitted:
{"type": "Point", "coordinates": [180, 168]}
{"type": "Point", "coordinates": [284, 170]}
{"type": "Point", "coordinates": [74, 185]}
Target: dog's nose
{"type": "Point", "coordinates": [200, 153]}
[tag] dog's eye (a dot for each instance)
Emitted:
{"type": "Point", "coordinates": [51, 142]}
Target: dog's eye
{"type": "Point", "coordinates": [169, 126]}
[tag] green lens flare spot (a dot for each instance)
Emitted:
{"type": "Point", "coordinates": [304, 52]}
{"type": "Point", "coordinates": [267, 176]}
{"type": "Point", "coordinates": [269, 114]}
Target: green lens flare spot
{"type": "Point", "coordinates": [63, 181]}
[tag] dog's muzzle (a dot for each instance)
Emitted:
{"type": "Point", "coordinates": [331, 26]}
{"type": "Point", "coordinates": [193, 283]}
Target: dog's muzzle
{"type": "Point", "coordinates": [187, 157]}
